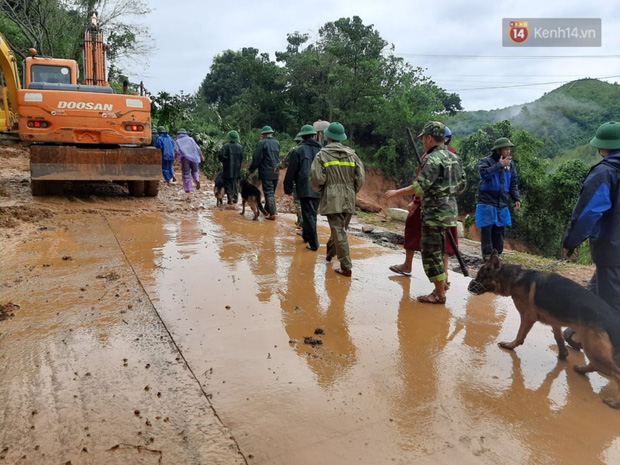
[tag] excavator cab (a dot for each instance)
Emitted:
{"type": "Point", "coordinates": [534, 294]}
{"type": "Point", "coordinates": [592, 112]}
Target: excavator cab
{"type": "Point", "coordinates": [52, 73]}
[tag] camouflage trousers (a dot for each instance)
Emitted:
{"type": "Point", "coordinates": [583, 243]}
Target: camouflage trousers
{"type": "Point", "coordinates": [433, 249]}
{"type": "Point", "coordinates": [300, 220]}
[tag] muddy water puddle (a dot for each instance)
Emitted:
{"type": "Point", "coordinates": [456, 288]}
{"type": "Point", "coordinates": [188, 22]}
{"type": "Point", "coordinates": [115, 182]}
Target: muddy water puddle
{"type": "Point", "coordinates": [89, 374]}
{"type": "Point", "coordinates": [219, 307]}
{"type": "Point", "coordinates": [387, 380]}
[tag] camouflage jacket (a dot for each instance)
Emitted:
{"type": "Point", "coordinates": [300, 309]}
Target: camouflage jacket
{"type": "Point", "coordinates": [337, 174]}
{"type": "Point", "coordinates": [441, 179]}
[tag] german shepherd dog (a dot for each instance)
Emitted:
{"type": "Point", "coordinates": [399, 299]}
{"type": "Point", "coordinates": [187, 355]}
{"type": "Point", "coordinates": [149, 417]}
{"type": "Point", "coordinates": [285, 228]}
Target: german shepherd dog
{"type": "Point", "coordinates": [218, 189]}
{"type": "Point", "coordinates": [557, 301]}
{"type": "Point", "coordinates": [251, 195]}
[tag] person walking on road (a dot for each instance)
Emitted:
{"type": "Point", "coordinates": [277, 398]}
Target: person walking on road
{"type": "Point", "coordinates": [189, 153]}
{"type": "Point", "coordinates": [298, 179]}
{"type": "Point", "coordinates": [231, 156]}
{"type": "Point", "coordinates": [413, 224]}
{"type": "Point", "coordinates": [284, 165]}
{"type": "Point", "coordinates": [596, 217]}
{"type": "Point", "coordinates": [167, 145]}
{"type": "Point", "coordinates": [266, 160]}
{"type": "Point", "coordinates": [499, 183]}
{"type": "Point", "coordinates": [441, 179]}
{"type": "Point", "coordinates": [337, 174]}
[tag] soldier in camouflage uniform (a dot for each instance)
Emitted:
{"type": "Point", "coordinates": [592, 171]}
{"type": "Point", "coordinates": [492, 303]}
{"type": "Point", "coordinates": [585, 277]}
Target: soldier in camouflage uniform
{"type": "Point", "coordinates": [441, 179]}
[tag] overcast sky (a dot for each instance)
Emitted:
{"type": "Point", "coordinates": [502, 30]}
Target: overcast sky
{"type": "Point", "coordinates": [188, 34]}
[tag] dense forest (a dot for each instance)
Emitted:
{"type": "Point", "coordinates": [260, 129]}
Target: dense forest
{"type": "Point", "coordinates": [350, 74]}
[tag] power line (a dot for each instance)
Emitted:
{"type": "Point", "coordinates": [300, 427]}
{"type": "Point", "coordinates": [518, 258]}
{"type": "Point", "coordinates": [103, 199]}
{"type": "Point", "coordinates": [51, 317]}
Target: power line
{"type": "Point", "coordinates": [515, 75]}
{"type": "Point", "coordinates": [508, 57]}
{"type": "Point", "coordinates": [523, 85]}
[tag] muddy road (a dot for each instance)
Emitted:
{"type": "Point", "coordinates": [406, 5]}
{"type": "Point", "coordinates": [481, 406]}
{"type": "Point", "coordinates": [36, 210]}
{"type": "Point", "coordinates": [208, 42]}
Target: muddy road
{"type": "Point", "coordinates": [168, 331]}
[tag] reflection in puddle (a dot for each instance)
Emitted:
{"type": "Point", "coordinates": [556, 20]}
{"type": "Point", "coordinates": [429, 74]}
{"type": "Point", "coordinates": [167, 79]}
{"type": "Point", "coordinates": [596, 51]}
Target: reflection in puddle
{"type": "Point", "coordinates": [393, 380]}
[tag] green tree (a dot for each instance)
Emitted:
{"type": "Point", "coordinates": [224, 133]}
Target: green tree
{"type": "Point", "coordinates": [56, 27]}
{"type": "Point", "coordinates": [349, 74]}
{"type": "Point", "coordinates": [548, 206]}
{"type": "Point", "coordinates": [246, 88]}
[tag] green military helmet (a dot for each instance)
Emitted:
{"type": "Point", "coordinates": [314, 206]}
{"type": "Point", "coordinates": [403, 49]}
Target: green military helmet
{"type": "Point", "coordinates": [501, 143]}
{"type": "Point", "coordinates": [298, 137]}
{"type": "Point", "coordinates": [433, 128]}
{"type": "Point", "coordinates": [335, 131]}
{"type": "Point", "coordinates": [607, 137]}
{"type": "Point", "coordinates": [161, 130]}
{"type": "Point", "coordinates": [307, 130]}
{"type": "Point", "coordinates": [233, 136]}
{"type": "Point", "coordinates": [267, 130]}
{"type": "Point", "coordinates": [181, 131]}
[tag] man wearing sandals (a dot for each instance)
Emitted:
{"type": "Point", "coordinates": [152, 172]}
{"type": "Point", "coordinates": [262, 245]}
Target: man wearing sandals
{"type": "Point", "coordinates": [441, 179]}
{"type": "Point", "coordinates": [413, 224]}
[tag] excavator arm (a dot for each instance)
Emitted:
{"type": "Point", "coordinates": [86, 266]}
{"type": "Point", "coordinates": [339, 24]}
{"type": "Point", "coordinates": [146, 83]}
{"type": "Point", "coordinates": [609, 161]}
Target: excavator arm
{"type": "Point", "coordinates": [9, 87]}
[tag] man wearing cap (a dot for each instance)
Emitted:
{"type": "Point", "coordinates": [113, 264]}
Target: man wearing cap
{"type": "Point", "coordinates": [413, 224]}
{"type": "Point", "coordinates": [441, 179]}
{"type": "Point", "coordinates": [337, 174]}
{"type": "Point", "coordinates": [266, 160]}
{"type": "Point", "coordinates": [298, 178]}
{"type": "Point", "coordinates": [231, 156]}
{"type": "Point", "coordinates": [166, 144]}
{"type": "Point", "coordinates": [596, 216]}
{"type": "Point", "coordinates": [189, 153]}
{"type": "Point", "coordinates": [499, 183]}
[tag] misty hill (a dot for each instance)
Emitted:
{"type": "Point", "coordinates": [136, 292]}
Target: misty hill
{"type": "Point", "coordinates": [564, 118]}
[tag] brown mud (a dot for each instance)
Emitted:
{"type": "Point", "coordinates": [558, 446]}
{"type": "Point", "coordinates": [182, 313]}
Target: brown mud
{"type": "Point", "coordinates": [170, 331]}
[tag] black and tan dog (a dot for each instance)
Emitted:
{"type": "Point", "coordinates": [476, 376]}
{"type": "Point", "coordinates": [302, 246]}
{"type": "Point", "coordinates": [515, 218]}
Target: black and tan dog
{"type": "Point", "coordinates": [251, 195]}
{"type": "Point", "coordinates": [557, 301]}
{"type": "Point", "coordinates": [218, 189]}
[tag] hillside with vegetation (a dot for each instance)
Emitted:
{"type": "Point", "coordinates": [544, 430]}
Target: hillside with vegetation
{"type": "Point", "coordinates": [564, 119]}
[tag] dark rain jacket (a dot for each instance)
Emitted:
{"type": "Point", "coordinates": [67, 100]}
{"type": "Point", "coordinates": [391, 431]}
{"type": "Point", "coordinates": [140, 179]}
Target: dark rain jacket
{"type": "Point", "coordinates": [266, 159]}
{"type": "Point", "coordinates": [597, 213]}
{"type": "Point", "coordinates": [497, 185]}
{"type": "Point", "coordinates": [298, 170]}
{"type": "Point", "coordinates": [231, 157]}
{"type": "Point", "coordinates": [337, 174]}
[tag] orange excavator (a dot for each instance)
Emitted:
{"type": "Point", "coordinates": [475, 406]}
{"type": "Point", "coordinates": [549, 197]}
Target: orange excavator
{"type": "Point", "coordinates": [77, 131]}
